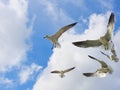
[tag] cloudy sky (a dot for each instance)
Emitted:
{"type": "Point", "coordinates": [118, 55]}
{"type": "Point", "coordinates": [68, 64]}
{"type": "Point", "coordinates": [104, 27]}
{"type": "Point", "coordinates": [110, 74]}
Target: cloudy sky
{"type": "Point", "coordinates": [26, 58]}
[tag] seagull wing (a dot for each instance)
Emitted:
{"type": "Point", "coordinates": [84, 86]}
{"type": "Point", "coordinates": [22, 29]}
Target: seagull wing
{"type": "Point", "coordinates": [88, 43]}
{"type": "Point", "coordinates": [63, 29]}
{"type": "Point", "coordinates": [67, 70]}
{"type": "Point", "coordinates": [110, 27]}
{"type": "Point", "coordinates": [103, 64]}
{"type": "Point", "coordinates": [89, 74]}
{"type": "Point", "coordinates": [56, 71]}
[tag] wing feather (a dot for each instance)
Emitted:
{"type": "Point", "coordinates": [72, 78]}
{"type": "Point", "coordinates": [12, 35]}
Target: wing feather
{"type": "Point", "coordinates": [89, 74]}
{"type": "Point", "coordinates": [67, 70]}
{"type": "Point", "coordinates": [103, 64]}
{"type": "Point", "coordinates": [88, 43]}
{"type": "Point", "coordinates": [56, 71]}
{"type": "Point", "coordinates": [110, 27]}
{"type": "Point", "coordinates": [63, 29]}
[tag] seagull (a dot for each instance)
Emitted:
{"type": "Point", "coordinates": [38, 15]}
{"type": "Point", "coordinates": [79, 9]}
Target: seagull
{"type": "Point", "coordinates": [62, 72]}
{"type": "Point", "coordinates": [112, 57]}
{"type": "Point", "coordinates": [54, 38]}
{"type": "Point", "coordinates": [104, 40]}
{"type": "Point", "coordinates": [102, 71]}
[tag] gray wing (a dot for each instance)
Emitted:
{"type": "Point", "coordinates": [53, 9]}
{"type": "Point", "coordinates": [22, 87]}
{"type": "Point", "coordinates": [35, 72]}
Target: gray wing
{"type": "Point", "coordinates": [103, 64]}
{"type": "Point", "coordinates": [67, 70]}
{"type": "Point", "coordinates": [89, 74]}
{"type": "Point", "coordinates": [110, 27]}
{"type": "Point", "coordinates": [56, 71]}
{"type": "Point", "coordinates": [88, 43]}
{"type": "Point", "coordinates": [63, 29]}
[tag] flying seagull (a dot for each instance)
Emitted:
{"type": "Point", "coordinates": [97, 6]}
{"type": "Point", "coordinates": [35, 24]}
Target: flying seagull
{"type": "Point", "coordinates": [102, 71]}
{"type": "Point", "coordinates": [112, 57]}
{"type": "Point", "coordinates": [62, 72]}
{"type": "Point", "coordinates": [54, 38]}
{"type": "Point", "coordinates": [104, 40]}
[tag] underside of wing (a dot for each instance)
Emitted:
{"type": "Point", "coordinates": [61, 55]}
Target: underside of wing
{"type": "Point", "coordinates": [67, 70]}
{"type": "Point", "coordinates": [63, 29]}
{"type": "Point", "coordinates": [89, 74]}
{"type": "Point", "coordinates": [55, 71]}
{"type": "Point", "coordinates": [110, 27]}
{"type": "Point", "coordinates": [88, 43]}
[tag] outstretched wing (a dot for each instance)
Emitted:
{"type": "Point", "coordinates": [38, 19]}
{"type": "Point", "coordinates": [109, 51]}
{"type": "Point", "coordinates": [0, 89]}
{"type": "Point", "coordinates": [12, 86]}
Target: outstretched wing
{"type": "Point", "coordinates": [67, 70]}
{"type": "Point", "coordinates": [110, 27]}
{"type": "Point", "coordinates": [89, 74]}
{"type": "Point", "coordinates": [88, 43]}
{"type": "Point", "coordinates": [63, 29]}
{"type": "Point", "coordinates": [103, 64]}
{"type": "Point", "coordinates": [56, 71]}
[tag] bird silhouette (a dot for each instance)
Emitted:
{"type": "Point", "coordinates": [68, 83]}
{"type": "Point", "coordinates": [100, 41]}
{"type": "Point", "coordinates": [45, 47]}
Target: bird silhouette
{"type": "Point", "coordinates": [62, 72]}
{"type": "Point", "coordinates": [104, 40]}
{"type": "Point", "coordinates": [102, 71]}
{"type": "Point", "coordinates": [54, 38]}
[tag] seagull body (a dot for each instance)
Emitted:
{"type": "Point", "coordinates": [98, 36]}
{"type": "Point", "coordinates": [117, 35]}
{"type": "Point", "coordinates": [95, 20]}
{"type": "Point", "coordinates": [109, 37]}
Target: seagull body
{"type": "Point", "coordinates": [62, 72]}
{"type": "Point", "coordinates": [54, 38]}
{"type": "Point", "coordinates": [112, 57]}
{"type": "Point", "coordinates": [104, 40]}
{"type": "Point", "coordinates": [102, 71]}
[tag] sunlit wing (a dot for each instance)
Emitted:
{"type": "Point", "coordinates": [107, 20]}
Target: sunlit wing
{"type": "Point", "coordinates": [87, 43]}
{"type": "Point", "coordinates": [103, 64]}
{"type": "Point", "coordinates": [110, 27]}
{"type": "Point", "coordinates": [63, 29]}
{"type": "Point", "coordinates": [56, 71]}
{"type": "Point", "coordinates": [67, 70]}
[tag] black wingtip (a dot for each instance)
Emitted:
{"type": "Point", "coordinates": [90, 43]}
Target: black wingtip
{"type": "Point", "coordinates": [87, 74]}
{"type": "Point", "coordinates": [73, 67]}
{"type": "Point", "coordinates": [111, 19]}
{"type": "Point", "coordinates": [78, 44]}
{"type": "Point", "coordinates": [73, 43]}
{"type": "Point", "coordinates": [90, 56]}
{"type": "Point", "coordinates": [112, 14]}
{"type": "Point", "coordinates": [101, 52]}
{"type": "Point", "coordinates": [74, 23]}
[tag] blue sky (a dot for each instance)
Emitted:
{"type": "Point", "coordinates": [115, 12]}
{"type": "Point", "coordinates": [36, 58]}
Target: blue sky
{"type": "Point", "coordinates": [26, 58]}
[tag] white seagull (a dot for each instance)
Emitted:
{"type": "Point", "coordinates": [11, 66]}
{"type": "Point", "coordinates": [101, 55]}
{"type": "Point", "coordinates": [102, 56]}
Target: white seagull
{"type": "Point", "coordinates": [54, 38]}
{"type": "Point", "coordinates": [62, 72]}
{"type": "Point", "coordinates": [102, 71]}
{"type": "Point", "coordinates": [104, 40]}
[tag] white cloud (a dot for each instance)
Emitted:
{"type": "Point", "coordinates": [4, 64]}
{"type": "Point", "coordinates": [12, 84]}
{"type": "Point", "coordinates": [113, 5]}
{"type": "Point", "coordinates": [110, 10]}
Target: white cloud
{"type": "Point", "coordinates": [105, 4]}
{"type": "Point", "coordinates": [69, 55]}
{"type": "Point", "coordinates": [28, 72]}
{"type": "Point", "coordinates": [13, 33]}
